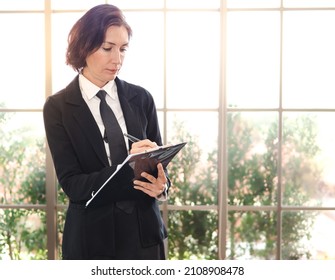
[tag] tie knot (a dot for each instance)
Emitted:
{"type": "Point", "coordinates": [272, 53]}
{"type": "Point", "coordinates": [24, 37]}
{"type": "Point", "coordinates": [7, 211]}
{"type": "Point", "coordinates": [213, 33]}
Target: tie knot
{"type": "Point", "coordinates": [102, 94]}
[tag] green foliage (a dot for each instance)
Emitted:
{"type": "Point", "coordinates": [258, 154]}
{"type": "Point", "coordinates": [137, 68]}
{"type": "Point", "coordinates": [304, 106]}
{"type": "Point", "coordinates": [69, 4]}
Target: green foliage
{"type": "Point", "coordinates": [253, 180]}
{"type": "Point", "coordinates": [22, 180]}
{"type": "Point", "coordinates": [192, 233]}
{"type": "Point", "coordinates": [61, 215]}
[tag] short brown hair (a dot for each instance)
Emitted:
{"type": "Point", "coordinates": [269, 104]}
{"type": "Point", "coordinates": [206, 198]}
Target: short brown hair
{"type": "Point", "coordinates": [88, 33]}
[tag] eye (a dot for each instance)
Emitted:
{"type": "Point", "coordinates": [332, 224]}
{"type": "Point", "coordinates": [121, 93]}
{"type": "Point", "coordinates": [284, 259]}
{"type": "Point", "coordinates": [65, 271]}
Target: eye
{"type": "Point", "coordinates": [107, 49]}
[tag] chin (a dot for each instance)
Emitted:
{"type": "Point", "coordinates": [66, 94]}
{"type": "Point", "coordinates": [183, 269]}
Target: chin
{"type": "Point", "coordinates": [111, 77]}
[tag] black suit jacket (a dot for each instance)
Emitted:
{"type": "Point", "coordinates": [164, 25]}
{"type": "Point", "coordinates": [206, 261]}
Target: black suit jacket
{"type": "Point", "coordinates": [81, 166]}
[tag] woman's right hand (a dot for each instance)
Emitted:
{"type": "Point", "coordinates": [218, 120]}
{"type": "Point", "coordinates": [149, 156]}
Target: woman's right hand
{"type": "Point", "coordinates": [142, 146]}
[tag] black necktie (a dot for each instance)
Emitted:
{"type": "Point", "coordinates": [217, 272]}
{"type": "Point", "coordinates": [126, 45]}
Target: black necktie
{"type": "Point", "coordinates": [115, 138]}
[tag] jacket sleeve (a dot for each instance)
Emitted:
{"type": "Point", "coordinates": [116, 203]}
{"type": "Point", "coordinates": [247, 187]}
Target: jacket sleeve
{"type": "Point", "coordinates": [153, 131]}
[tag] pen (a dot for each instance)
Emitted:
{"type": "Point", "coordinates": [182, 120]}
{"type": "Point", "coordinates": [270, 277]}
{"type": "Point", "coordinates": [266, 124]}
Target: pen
{"type": "Point", "coordinates": [131, 138]}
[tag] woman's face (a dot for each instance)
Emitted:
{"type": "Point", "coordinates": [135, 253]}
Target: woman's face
{"type": "Point", "coordinates": [104, 64]}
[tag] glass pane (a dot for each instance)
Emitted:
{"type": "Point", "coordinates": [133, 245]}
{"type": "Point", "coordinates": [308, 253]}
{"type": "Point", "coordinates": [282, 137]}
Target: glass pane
{"type": "Point", "coordinates": [253, 3]}
{"type": "Point", "coordinates": [24, 234]}
{"type": "Point", "coordinates": [194, 170]}
{"type": "Point", "coordinates": [135, 4]}
{"type": "Point", "coordinates": [62, 74]}
{"type": "Point", "coordinates": [184, 4]}
{"type": "Point", "coordinates": [22, 161]}
{"type": "Point", "coordinates": [161, 125]}
{"type": "Point", "coordinates": [62, 199]}
{"type": "Point", "coordinates": [309, 3]}
{"type": "Point", "coordinates": [252, 158]}
{"type": "Point", "coordinates": [74, 4]}
{"type": "Point", "coordinates": [21, 5]}
{"type": "Point", "coordinates": [193, 59]}
{"type": "Point", "coordinates": [23, 46]}
{"type": "Point", "coordinates": [253, 59]}
{"type": "Point", "coordinates": [198, 128]}
{"type": "Point", "coordinates": [309, 59]}
{"type": "Point", "coordinates": [308, 159]}
{"type": "Point", "coordinates": [144, 62]}
{"type": "Point", "coordinates": [251, 235]}
{"type": "Point", "coordinates": [193, 235]}
{"type": "Point", "coordinates": [308, 235]}
{"type": "Point", "coordinates": [61, 213]}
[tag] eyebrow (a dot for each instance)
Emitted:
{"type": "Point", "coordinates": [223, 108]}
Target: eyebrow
{"type": "Point", "coordinates": [106, 42]}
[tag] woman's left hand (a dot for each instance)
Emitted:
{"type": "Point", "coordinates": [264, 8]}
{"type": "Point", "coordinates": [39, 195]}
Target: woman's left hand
{"type": "Point", "coordinates": [155, 186]}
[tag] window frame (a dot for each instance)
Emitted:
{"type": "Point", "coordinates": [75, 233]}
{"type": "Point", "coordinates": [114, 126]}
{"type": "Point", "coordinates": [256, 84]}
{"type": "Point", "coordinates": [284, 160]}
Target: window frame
{"type": "Point", "coordinates": [52, 207]}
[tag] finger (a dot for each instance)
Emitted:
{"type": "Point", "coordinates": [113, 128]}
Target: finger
{"type": "Point", "coordinates": [155, 188]}
{"type": "Point", "coordinates": [146, 188]}
{"type": "Point", "coordinates": [146, 143]}
{"type": "Point", "coordinates": [150, 178]}
{"type": "Point", "coordinates": [161, 174]}
{"type": "Point", "coordinates": [148, 192]}
{"type": "Point", "coordinates": [157, 184]}
{"type": "Point", "coordinates": [161, 179]}
{"type": "Point", "coordinates": [143, 148]}
{"type": "Point", "coordinates": [144, 185]}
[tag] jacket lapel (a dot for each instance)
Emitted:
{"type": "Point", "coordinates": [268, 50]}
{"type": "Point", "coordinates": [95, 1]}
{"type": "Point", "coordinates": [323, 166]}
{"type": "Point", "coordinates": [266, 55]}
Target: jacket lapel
{"type": "Point", "coordinates": [130, 110]}
{"type": "Point", "coordinates": [85, 120]}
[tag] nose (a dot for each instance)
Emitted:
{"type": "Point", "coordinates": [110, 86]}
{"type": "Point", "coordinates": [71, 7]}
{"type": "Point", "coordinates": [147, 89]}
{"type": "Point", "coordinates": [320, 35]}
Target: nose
{"type": "Point", "coordinates": [116, 56]}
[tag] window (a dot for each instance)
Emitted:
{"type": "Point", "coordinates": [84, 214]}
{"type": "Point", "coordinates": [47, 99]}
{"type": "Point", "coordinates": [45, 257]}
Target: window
{"type": "Point", "coordinates": [248, 84]}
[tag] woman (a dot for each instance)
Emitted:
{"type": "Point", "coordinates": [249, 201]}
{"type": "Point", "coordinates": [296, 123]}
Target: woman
{"type": "Point", "coordinates": [126, 223]}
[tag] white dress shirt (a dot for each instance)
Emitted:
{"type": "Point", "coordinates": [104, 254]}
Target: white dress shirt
{"type": "Point", "coordinates": [89, 91]}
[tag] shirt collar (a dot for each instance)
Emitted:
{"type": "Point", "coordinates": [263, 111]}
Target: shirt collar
{"type": "Point", "coordinates": [90, 90]}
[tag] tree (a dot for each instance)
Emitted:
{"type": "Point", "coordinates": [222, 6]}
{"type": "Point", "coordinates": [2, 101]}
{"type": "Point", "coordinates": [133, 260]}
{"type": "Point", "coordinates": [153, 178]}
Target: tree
{"type": "Point", "coordinates": [192, 234]}
{"type": "Point", "coordinates": [22, 231]}
{"type": "Point", "coordinates": [253, 180]}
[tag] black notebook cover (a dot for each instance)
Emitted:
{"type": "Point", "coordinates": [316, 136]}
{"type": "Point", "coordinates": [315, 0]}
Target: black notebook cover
{"type": "Point", "coordinates": [145, 162]}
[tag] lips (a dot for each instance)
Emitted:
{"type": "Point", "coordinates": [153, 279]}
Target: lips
{"type": "Point", "coordinates": [112, 71]}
